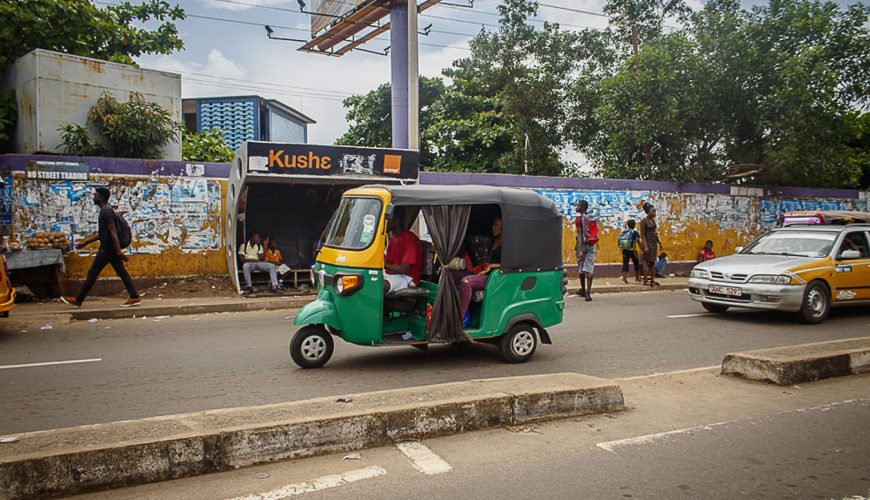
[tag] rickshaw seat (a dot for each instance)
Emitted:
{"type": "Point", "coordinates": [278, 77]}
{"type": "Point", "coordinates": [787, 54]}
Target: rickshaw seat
{"type": "Point", "coordinates": [410, 293]}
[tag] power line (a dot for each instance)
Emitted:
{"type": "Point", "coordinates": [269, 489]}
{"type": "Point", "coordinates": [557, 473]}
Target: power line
{"type": "Point", "coordinates": [570, 9]}
{"type": "Point", "coordinates": [337, 93]}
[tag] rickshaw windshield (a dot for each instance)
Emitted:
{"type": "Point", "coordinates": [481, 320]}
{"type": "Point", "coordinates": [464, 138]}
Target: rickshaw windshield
{"type": "Point", "coordinates": [354, 224]}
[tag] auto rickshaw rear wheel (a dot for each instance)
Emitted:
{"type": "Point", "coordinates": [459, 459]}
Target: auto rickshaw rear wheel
{"type": "Point", "coordinates": [311, 346]}
{"type": "Point", "coordinates": [519, 343]}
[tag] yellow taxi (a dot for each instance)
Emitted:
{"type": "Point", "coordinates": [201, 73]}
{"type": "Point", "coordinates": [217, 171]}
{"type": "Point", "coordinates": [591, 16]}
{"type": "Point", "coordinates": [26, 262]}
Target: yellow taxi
{"type": "Point", "coordinates": [7, 293]}
{"type": "Point", "coordinates": [805, 268]}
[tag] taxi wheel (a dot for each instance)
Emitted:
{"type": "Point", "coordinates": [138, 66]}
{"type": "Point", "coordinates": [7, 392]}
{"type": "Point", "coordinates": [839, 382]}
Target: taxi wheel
{"type": "Point", "coordinates": [817, 303]}
{"type": "Point", "coordinates": [311, 346]}
{"type": "Point", "coordinates": [714, 308]}
{"type": "Point", "coordinates": [519, 343]}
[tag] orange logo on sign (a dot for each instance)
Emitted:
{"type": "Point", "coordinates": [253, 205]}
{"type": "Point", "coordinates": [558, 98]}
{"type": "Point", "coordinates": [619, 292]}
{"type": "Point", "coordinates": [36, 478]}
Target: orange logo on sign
{"type": "Point", "coordinates": [309, 161]}
{"type": "Point", "coordinates": [392, 164]}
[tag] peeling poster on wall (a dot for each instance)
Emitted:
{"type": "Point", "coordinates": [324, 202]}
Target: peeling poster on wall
{"type": "Point", "coordinates": [163, 213]}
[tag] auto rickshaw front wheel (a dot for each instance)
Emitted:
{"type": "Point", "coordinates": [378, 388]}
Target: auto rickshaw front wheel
{"type": "Point", "coordinates": [519, 343]}
{"type": "Point", "coordinates": [311, 346]}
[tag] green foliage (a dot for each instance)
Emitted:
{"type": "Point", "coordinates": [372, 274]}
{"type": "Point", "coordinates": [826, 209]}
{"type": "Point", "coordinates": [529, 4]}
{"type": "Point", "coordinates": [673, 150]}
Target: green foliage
{"type": "Point", "coordinates": [769, 89]}
{"type": "Point", "coordinates": [134, 129]}
{"type": "Point", "coordinates": [76, 141]}
{"type": "Point", "coordinates": [370, 122]}
{"type": "Point", "coordinates": [81, 28]}
{"type": "Point", "coordinates": [210, 145]}
{"type": "Point", "coordinates": [761, 95]}
{"type": "Point", "coordinates": [8, 113]}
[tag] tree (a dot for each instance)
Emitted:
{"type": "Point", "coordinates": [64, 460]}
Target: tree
{"type": "Point", "coordinates": [369, 117]}
{"type": "Point", "coordinates": [504, 110]}
{"type": "Point", "coordinates": [210, 145]}
{"type": "Point", "coordinates": [768, 90]}
{"type": "Point", "coordinates": [78, 27]}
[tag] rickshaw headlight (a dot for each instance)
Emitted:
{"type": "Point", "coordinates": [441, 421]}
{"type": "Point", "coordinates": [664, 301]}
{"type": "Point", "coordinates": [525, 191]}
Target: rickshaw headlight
{"type": "Point", "coordinates": [347, 284]}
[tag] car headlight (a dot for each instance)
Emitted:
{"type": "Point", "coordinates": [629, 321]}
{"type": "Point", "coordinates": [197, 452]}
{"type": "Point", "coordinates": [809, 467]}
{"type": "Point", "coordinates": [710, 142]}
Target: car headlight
{"type": "Point", "coordinates": [771, 279]}
{"type": "Point", "coordinates": [699, 273]}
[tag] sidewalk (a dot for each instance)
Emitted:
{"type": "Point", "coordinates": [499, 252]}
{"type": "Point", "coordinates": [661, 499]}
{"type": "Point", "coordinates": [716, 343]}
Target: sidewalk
{"type": "Point", "coordinates": [109, 307]}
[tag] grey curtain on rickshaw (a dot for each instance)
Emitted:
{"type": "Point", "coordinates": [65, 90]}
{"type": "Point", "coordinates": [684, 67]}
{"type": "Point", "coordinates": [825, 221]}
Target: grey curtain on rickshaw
{"type": "Point", "coordinates": [447, 225]}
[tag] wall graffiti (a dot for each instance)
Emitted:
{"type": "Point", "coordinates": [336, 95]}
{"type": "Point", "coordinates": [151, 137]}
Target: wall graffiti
{"type": "Point", "coordinates": [163, 213]}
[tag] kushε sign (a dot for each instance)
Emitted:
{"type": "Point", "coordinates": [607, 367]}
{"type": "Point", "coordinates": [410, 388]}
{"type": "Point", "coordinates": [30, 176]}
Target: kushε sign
{"type": "Point", "coordinates": [307, 159]}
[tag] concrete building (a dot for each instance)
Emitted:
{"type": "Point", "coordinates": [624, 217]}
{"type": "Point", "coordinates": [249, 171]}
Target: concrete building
{"type": "Point", "coordinates": [54, 89]}
{"type": "Point", "coordinates": [243, 118]}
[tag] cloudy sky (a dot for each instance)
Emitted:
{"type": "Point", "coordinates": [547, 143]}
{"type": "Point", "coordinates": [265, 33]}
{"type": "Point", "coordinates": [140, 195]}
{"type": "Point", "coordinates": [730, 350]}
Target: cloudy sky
{"type": "Point", "coordinates": [227, 52]}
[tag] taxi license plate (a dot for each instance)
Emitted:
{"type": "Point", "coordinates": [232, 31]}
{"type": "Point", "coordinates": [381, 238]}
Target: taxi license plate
{"type": "Point", "coordinates": [731, 291]}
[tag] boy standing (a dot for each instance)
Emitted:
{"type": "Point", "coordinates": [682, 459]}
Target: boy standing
{"type": "Point", "coordinates": [628, 244]}
{"type": "Point", "coordinates": [110, 252]}
{"type": "Point", "coordinates": [586, 249]}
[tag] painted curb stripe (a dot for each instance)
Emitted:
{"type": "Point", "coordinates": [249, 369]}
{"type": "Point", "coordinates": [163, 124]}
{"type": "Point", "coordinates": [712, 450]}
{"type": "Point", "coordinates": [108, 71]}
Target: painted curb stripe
{"type": "Point", "coordinates": [423, 459]}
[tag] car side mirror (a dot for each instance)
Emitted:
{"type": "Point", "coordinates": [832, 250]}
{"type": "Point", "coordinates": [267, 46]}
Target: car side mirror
{"type": "Point", "coordinates": [738, 249]}
{"type": "Point", "coordinates": [850, 255]}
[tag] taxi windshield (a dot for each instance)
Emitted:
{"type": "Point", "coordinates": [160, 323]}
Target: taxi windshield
{"type": "Point", "coordinates": [354, 224]}
{"type": "Point", "coordinates": [794, 243]}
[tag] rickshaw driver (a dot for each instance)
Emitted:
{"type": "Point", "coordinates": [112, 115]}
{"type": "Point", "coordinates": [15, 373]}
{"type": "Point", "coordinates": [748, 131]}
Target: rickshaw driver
{"type": "Point", "coordinates": [403, 262]}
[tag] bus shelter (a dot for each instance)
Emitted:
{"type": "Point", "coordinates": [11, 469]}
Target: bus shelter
{"type": "Point", "coordinates": [288, 192]}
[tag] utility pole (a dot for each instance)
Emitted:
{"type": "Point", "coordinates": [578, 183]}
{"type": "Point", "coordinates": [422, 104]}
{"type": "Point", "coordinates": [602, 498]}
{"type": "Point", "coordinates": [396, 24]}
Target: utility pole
{"type": "Point", "coordinates": [400, 71]}
{"type": "Point", "coordinates": [413, 79]}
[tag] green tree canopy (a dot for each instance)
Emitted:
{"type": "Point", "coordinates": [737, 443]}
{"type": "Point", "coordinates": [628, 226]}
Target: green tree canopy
{"type": "Point", "coordinates": [772, 94]}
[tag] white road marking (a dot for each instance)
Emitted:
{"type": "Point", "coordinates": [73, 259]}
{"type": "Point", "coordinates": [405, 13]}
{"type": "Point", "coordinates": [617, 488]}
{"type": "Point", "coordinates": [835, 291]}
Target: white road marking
{"type": "Point", "coordinates": [678, 372]}
{"type": "Point", "coordinates": [693, 315]}
{"type": "Point", "coordinates": [649, 438]}
{"type": "Point", "coordinates": [52, 363]}
{"type": "Point", "coordinates": [318, 484]}
{"type": "Point", "coordinates": [423, 459]}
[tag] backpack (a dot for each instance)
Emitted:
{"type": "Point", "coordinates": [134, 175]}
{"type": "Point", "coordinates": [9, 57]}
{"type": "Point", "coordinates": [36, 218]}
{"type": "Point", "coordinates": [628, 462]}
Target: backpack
{"type": "Point", "coordinates": [626, 239]}
{"type": "Point", "coordinates": [591, 230]}
{"type": "Point", "coordinates": [125, 235]}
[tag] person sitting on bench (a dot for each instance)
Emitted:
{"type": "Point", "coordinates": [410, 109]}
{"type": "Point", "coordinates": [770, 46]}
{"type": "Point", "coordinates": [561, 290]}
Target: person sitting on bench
{"type": "Point", "coordinates": [404, 260]}
{"type": "Point", "coordinates": [251, 255]}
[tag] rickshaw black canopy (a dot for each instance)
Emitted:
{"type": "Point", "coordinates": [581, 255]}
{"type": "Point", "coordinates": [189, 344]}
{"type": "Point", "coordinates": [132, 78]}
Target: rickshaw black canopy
{"type": "Point", "coordinates": [532, 227]}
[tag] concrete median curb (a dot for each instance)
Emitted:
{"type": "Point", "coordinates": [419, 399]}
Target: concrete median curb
{"type": "Point", "coordinates": [186, 309]}
{"type": "Point", "coordinates": [801, 363]}
{"type": "Point", "coordinates": [80, 459]}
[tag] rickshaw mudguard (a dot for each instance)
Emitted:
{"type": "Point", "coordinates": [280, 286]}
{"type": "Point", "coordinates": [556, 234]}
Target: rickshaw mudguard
{"type": "Point", "coordinates": [319, 312]}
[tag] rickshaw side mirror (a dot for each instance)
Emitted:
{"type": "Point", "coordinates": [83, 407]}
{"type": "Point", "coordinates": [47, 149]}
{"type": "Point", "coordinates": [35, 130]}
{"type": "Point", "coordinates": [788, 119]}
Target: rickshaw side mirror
{"type": "Point", "coordinates": [388, 213]}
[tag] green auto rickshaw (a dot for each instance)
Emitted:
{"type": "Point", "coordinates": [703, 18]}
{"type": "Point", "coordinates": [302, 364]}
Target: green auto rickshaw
{"type": "Point", "coordinates": [520, 299]}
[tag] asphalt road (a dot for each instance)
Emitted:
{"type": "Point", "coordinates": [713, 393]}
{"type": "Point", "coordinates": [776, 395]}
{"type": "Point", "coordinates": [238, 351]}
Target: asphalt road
{"type": "Point", "coordinates": [149, 367]}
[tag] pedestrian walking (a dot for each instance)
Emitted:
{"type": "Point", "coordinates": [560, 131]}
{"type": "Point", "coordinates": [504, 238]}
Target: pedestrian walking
{"type": "Point", "coordinates": [650, 244]}
{"type": "Point", "coordinates": [586, 247]}
{"type": "Point", "coordinates": [111, 252]}
{"type": "Point", "coordinates": [627, 242]}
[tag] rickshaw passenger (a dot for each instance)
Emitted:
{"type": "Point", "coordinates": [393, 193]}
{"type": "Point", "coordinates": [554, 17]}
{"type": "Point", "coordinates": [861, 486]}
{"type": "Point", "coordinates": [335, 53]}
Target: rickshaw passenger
{"type": "Point", "coordinates": [404, 259]}
{"type": "Point", "coordinates": [478, 281]}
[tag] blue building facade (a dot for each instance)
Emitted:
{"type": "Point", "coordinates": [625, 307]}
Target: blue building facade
{"type": "Point", "coordinates": [242, 118]}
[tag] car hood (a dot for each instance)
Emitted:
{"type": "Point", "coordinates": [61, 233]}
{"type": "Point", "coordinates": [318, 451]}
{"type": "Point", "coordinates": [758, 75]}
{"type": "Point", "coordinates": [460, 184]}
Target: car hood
{"type": "Point", "coordinates": [755, 264]}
